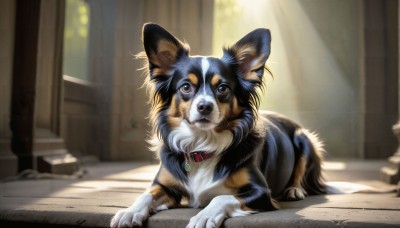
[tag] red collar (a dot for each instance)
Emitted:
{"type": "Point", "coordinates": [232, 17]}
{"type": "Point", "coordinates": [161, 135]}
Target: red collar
{"type": "Point", "coordinates": [198, 156]}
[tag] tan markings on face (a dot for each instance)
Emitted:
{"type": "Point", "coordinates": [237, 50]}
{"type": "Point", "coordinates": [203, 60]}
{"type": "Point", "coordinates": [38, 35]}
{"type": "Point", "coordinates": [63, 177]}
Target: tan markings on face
{"type": "Point", "coordinates": [193, 79]}
{"type": "Point", "coordinates": [224, 110]}
{"type": "Point", "coordinates": [174, 117]}
{"type": "Point", "coordinates": [174, 122]}
{"type": "Point", "coordinates": [236, 109]}
{"type": "Point", "coordinates": [184, 107]}
{"type": "Point", "coordinates": [227, 125]}
{"type": "Point", "coordinates": [172, 111]}
{"type": "Point", "coordinates": [215, 80]}
{"type": "Point", "coordinates": [237, 179]}
{"type": "Point", "coordinates": [230, 113]}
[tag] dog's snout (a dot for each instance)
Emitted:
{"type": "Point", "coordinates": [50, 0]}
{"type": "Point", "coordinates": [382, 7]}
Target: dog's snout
{"type": "Point", "coordinates": [205, 107]}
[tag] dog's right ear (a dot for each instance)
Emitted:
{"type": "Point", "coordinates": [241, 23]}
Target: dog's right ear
{"type": "Point", "coordinates": [162, 49]}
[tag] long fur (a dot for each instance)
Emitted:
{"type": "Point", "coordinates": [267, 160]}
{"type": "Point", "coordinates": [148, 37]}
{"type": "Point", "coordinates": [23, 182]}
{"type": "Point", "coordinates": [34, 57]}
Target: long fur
{"type": "Point", "coordinates": [209, 106]}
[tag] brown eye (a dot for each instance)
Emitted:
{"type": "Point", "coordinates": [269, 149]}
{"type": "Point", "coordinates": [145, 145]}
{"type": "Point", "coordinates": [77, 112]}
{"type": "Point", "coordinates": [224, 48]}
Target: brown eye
{"type": "Point", "coordinates": [186, 88]}
{"type": "Point", "coordinates": [223, 90]}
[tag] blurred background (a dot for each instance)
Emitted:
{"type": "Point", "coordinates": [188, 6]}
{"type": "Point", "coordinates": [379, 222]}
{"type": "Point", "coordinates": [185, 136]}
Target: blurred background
{"type": "Point", "coordinates": [71, 89]}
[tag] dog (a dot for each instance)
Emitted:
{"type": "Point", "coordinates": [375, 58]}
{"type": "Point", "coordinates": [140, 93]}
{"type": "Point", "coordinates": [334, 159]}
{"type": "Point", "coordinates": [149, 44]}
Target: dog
{"type": "Point", "coordinates": [216, 149]}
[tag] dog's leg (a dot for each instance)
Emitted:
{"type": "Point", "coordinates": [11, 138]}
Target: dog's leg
{"type": "Point", "coordinates": [217, 210]}
{"type": "Point", "coordinates": [306, 177]}
{"type": "Point", "coordinates": [250, 198]}
{"type": "Point", "coordinates": [296, 191]}
{"type": "Point", "coordinates": [153, 200]}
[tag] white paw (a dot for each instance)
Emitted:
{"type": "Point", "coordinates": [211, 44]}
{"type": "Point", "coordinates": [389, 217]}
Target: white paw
{"type": "Point", "coordinates": [295, 193]}
{"type": "Point", "coordinates": [129, 218]}
{"type": "Point", "coordinates": [134, 215]}
{"type": "Point", "coordinates": [205, 220]}
{"type": "Point", "coordinates": [218, 209]}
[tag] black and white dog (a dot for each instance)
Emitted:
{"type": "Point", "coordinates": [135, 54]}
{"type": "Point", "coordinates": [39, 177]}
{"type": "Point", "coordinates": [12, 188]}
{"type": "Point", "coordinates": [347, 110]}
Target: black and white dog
{"type": "Point", "coordinates": [216, 149]}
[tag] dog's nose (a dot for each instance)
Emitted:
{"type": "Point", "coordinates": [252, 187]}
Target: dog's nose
{"type": "Point", "coordinates": [204, 107]}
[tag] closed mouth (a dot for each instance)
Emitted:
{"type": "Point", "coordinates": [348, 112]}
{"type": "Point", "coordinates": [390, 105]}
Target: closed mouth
{"type": "Point", "coordinates": [203, 120]}
{"type": "Point", "coordinates": [204, 123]}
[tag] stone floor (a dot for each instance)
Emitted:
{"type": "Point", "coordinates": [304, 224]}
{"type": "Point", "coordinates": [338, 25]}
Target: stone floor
{"type": "Point", "coordinates": [37, 200]}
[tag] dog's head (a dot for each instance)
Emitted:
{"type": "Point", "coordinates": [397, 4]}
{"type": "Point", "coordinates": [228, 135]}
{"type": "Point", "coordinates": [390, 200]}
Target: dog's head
{"type": "Point", "coordinates": [208, 93]}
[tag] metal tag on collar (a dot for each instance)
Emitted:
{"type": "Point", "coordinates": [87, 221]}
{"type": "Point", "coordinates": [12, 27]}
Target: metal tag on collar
{"type": "Point", "coordinates": [186, 165]}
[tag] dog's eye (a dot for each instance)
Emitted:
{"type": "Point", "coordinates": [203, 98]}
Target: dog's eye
{"type": "Point", "coordinates": [223, 90]}
{"type": "Point", "coordinates": [186, 88]}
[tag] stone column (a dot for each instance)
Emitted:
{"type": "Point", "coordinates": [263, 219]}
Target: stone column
{"type": "Point", "coordinates": [391, 173]}
{"type": "Point", "coordinates": [8, 161]}
{"type": "Point", "coordinates": [36, 88]}
{"type": "Point", "coordinates": [49, 149]}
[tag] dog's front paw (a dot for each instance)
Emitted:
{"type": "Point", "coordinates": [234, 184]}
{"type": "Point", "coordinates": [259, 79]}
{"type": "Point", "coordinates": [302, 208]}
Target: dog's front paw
{"type": "Point", "coordinates": [203, 220]}
{"type": "Point", "coordinates": [295, 193]}
{"type": "Point", "coordinates": [134, 215]}
{"type": "Point", "coordinates": [128, 218]}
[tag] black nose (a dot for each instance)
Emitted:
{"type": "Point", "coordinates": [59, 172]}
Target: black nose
{"type": "Point", "coordinates": [204, 107]}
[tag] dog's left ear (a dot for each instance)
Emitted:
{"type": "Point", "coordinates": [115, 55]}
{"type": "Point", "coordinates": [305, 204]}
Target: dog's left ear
{"type": "Point", "coordinates": [250, 54]}
{"type": "Point", "coordinates": [162, 49]}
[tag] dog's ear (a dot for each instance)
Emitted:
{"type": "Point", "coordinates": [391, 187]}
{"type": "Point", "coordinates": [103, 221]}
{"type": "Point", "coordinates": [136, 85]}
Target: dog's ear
{"type": "Point", "coordinates": [250, 54]}
{"type": "Point", "coordinates": [162, 49]}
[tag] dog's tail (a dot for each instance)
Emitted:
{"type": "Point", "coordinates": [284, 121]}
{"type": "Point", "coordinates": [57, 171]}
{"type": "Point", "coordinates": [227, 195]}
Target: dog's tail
{"type": "Point", "coordinates": [313, 150]}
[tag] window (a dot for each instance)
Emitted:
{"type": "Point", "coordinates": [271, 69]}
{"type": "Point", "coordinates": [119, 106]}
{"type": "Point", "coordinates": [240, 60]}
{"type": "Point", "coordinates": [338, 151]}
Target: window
{"type": "Point", "coordinates": [76, 37]}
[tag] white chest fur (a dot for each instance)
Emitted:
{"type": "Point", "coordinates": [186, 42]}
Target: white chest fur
{"type": "Point", "coordinates": [201, 187]}
{"type": "Point", "coordinates": [187, 139]}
